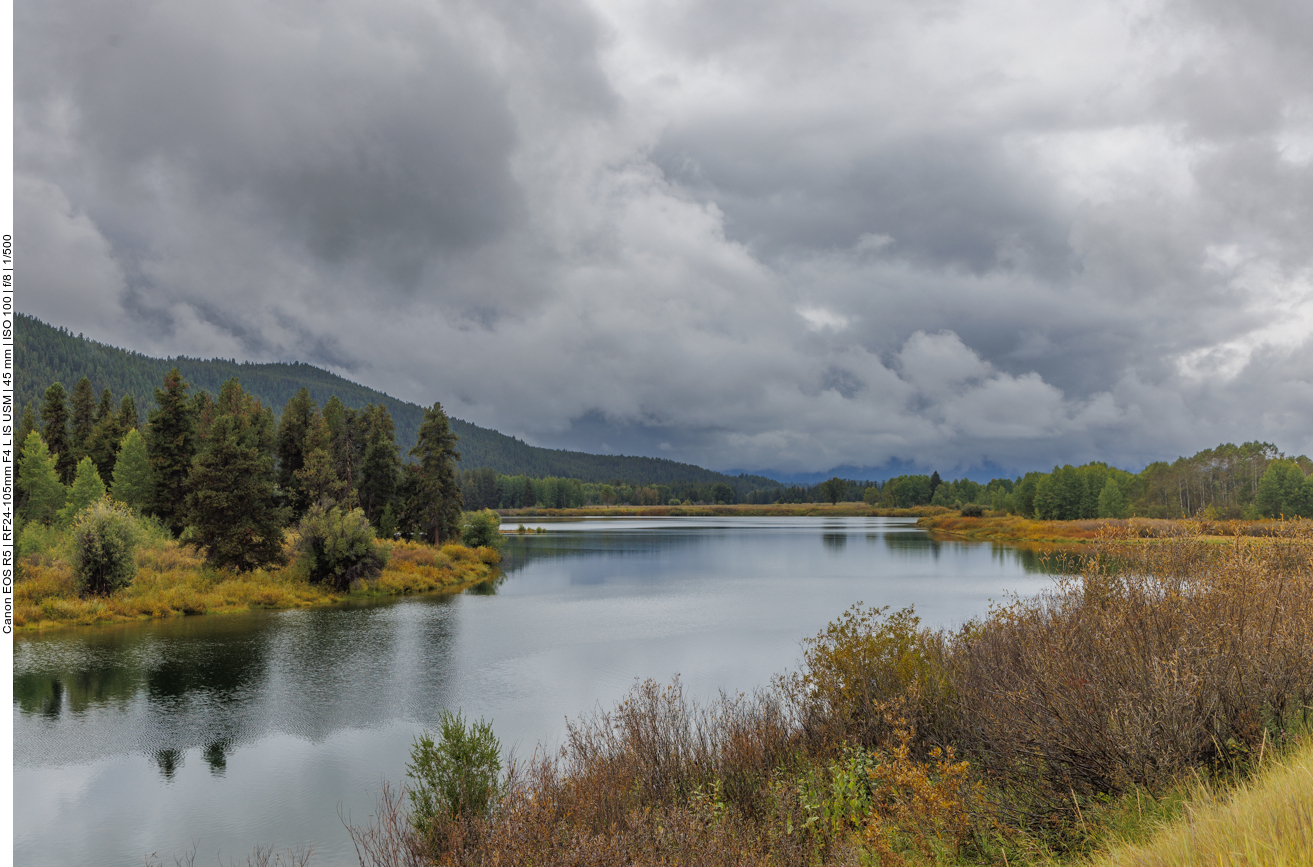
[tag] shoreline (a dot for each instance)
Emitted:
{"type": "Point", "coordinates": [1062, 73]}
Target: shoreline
{"type": "Point", "coordinates": [173, 581]}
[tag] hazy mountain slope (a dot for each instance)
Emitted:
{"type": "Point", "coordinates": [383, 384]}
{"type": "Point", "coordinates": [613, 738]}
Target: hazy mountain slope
{"type": "Point", "coordinates": [45, 354]}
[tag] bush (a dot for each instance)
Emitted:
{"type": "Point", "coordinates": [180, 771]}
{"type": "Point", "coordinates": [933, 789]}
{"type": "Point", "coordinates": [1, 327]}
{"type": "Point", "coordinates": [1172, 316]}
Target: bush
{"type": "Point", "coordinates": [104, 545]}
{"type": "Point", "coordinates": [339, 547]}
{"type": "Point", "coordinates": [482, 529]}
{"type": "Point", "coordinates": [455, 778]}
{"type": "Point", "coordinates": [973, 510]}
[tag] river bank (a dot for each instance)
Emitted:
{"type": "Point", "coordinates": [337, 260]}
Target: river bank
{"type": "Point", "coordinates": [1017, 530]}
{"type": "Point", "coordinates": [172, 580]}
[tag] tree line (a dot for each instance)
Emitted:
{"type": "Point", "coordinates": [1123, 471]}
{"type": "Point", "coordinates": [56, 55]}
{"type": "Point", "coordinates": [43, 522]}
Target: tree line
{"type": "Point", "coordinates": [222, 474]}
{"type": "Point", "coordinates": [1252, 480]}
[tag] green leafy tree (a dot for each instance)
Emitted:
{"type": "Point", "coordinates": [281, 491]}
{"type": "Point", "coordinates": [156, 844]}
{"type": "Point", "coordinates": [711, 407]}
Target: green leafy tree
{"type": "Point", "coordinates": [87, 488]}
{"type": "Point", "coordinates": [232, 503]}
{"type": "Point", "coordinates": [833, 488]}
{"type": "Point", "coordinates": [457, 775]}
{"type": "Point", "coordinates": [1112, 503]}
{"type": "Point", "coordinates": [339, 546]}
{"type": "Point", "coordinates": [40, 493]}
{"type": "Point", "coordinates": [1270, 499]}
{"type": "Point", "coordinates": [436, 498]}
{"type": "Point", "coordinates": [54, 430]}
{"type": "Point", "coordinates": [84, 416]}
{"type": "Point", "coordinates": [482, 529]}
{"type": "Point", "coordinates": [171, 443]}
{"type": "Point", "coordinates": [131, 477]}
{"type": "Point", "coordinates": [104, 545]}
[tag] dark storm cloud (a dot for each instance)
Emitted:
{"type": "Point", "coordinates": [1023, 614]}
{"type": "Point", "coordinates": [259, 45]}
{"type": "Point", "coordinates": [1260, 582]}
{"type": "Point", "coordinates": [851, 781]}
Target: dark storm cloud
{"type": "Point", "coordinates": [749, 235]}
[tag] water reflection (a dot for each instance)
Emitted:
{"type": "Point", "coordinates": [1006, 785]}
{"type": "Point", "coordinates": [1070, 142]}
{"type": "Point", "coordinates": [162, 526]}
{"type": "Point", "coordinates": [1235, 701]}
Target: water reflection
{"type": "Point", "coordinates": [236, 730]}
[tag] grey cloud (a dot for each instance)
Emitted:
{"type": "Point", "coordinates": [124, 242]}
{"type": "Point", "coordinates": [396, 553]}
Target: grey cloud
{"type": "Point", "coordinates": [756, 235]}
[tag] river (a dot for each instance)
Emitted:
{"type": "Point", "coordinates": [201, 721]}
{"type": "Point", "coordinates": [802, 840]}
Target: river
{"type": "Point", "coordinates": [224, 732]}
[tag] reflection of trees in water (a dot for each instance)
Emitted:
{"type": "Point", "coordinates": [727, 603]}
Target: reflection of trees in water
{"type": "Point", "coordinates": [520, 550]}
{"type": "Point", "coordinates": [834, 541]}
{"type": "Point", "coordinates": [216, 756]}
{"type": "Point", "coordinates": [168, 760]}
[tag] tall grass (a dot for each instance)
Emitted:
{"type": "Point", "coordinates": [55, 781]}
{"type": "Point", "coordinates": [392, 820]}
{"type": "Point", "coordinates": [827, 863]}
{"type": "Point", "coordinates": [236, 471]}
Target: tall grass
{"type": "Point", "coordinates": [893, 744]}
{"type": "Point", "coordinates": [172, 579]}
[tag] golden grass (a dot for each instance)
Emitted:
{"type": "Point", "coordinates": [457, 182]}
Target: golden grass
{"type": "Point", "coordinates": [1267, 822]}
{"type": "Point", "coordinates": [1013, 528]}
{"type": "Point", "coordinates": [173, 580]}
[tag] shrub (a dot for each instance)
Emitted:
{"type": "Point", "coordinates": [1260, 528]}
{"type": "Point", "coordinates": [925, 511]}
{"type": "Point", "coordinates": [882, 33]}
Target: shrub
{"type": "Point", "coordinates": [339, 547]}
{"type": "Point", "coordinates": [456, 777]}
{"type": "Point", "coordinates": [104, 545]}
{"type": "Point", "coordinates": [973, 510]}
{"type": "Point", "coordinates": [482, 529]}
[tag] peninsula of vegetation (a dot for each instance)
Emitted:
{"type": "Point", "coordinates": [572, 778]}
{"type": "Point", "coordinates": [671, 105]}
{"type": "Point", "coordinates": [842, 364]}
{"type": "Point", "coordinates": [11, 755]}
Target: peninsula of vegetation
{"type": "Point", "coordinates": [213, 506]}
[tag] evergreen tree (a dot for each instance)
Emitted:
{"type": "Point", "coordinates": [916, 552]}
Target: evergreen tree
{"type": "Point", "coordinates": [171, 444]}
{"type": "Point", "coordinates": [40, 493]}
{"type": "Point", "coordinates": [378, 470]}
{"type": "Point", "coordinates": [54, 430]}
{"type": "Point", "coordinates": [84, 417]}
{"type": "Point", "coordinates": [527, 494]}
{"type": "Point", "coordinates": [132, 472]}
{"type": "Point", "coordinates": [87, 488]}
{"type": "Point", "coordinates": [1112, 504]}
{"type": "Point", "coordinates": [299, 415]}
{"type": "Point", "coordinates": [437, 495]}
{"type": "Point", "coordinates": [318, 481]}
{"type": "Point", "coordinates": [232, 503]}
{"type": "Point", "coordinates": [27, 425]}
{"type": "Point", "coordinates": [128, 419]}
{"type": "Point", "coordinates": [103, 444]}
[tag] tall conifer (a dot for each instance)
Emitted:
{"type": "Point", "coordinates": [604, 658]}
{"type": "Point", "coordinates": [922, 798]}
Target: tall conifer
{"type": "Point", "coordinates": [84, 416]}
{"type": "Point", "coordinates": [232, 504]}
{"type": "Point", "coordinates": [438, 494]}
{"type": "Point", "coordinates": [54, 430]}
{"type": "Point", "coordinates": [132, 472]}
{"type": "Point", "coordinates": [40, 493]}
{"type": "Point", "coordinates": [171, 444]}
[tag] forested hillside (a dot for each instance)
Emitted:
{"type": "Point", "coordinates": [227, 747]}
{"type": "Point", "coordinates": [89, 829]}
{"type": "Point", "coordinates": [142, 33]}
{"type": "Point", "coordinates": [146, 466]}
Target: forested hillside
{"type": "Point", "coordinates": [46, 354]}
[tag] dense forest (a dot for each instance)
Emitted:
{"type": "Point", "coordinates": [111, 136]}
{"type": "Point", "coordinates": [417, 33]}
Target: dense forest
{"type": "Point", "coordinates": [46, 354]}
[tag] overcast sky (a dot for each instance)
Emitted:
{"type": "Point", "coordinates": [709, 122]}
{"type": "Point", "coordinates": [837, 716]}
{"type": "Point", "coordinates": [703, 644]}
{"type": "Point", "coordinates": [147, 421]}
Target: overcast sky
{"type": "Point", "coordinates": [748, 234]}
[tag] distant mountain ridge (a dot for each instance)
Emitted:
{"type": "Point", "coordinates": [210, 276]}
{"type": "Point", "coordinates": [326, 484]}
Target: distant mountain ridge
{"type": "Point", "coordinates": [46, 354]}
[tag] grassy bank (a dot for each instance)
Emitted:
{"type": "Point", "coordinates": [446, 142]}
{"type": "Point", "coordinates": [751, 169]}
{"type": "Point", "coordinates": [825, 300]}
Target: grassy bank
{"type": "Point", "coordinates": [1060, 728]}
{"type": "Point", "coordinates": [1012, 528]}
{"type": "Point", "coordinates": [836, 510]}
{"type": "Point", "coordinates": [173, 580]}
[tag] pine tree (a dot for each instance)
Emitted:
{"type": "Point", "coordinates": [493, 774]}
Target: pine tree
{"type": "Point", "coordinates": [378, 470]}
{"type": "Point", "coordinates": [103, 444]}
{"type": "Point", "coordinates": [527, 494]}
{"type": "Point", "coordinates": [437, 498]}
{"type": "Point", "coordinates": [299, 415]}
{"type": "Point", "coordinates": [84, 418]}
{"type": "Point", "coordinates": [27, 425]}
{"type": "Point", "coordinates": [40, 493]}
{"type": "Point", "coordinates": [128, 419]}
{"type": "Point", "coordinates": [132, 472]}
{"type": "Point", "coordinates": [171, 444]}
{"type": "Point", "coordinates": [54, 430]}
{"type": "Point", "coordinates": [232, 505]}
{"type": "Point", "coordinates": [87, 488]}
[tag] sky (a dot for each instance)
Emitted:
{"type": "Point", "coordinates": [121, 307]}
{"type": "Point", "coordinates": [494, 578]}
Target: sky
{"type": "Point", "coordinates": [748, 235]}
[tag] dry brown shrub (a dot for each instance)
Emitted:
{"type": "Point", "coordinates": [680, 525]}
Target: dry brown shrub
{"type": "Point", "coordinates": [1153, 659]}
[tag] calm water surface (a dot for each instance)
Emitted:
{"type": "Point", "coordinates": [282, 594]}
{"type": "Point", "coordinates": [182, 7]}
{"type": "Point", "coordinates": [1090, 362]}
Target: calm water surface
{"type": "Point", "coordinates": [232, 731]}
